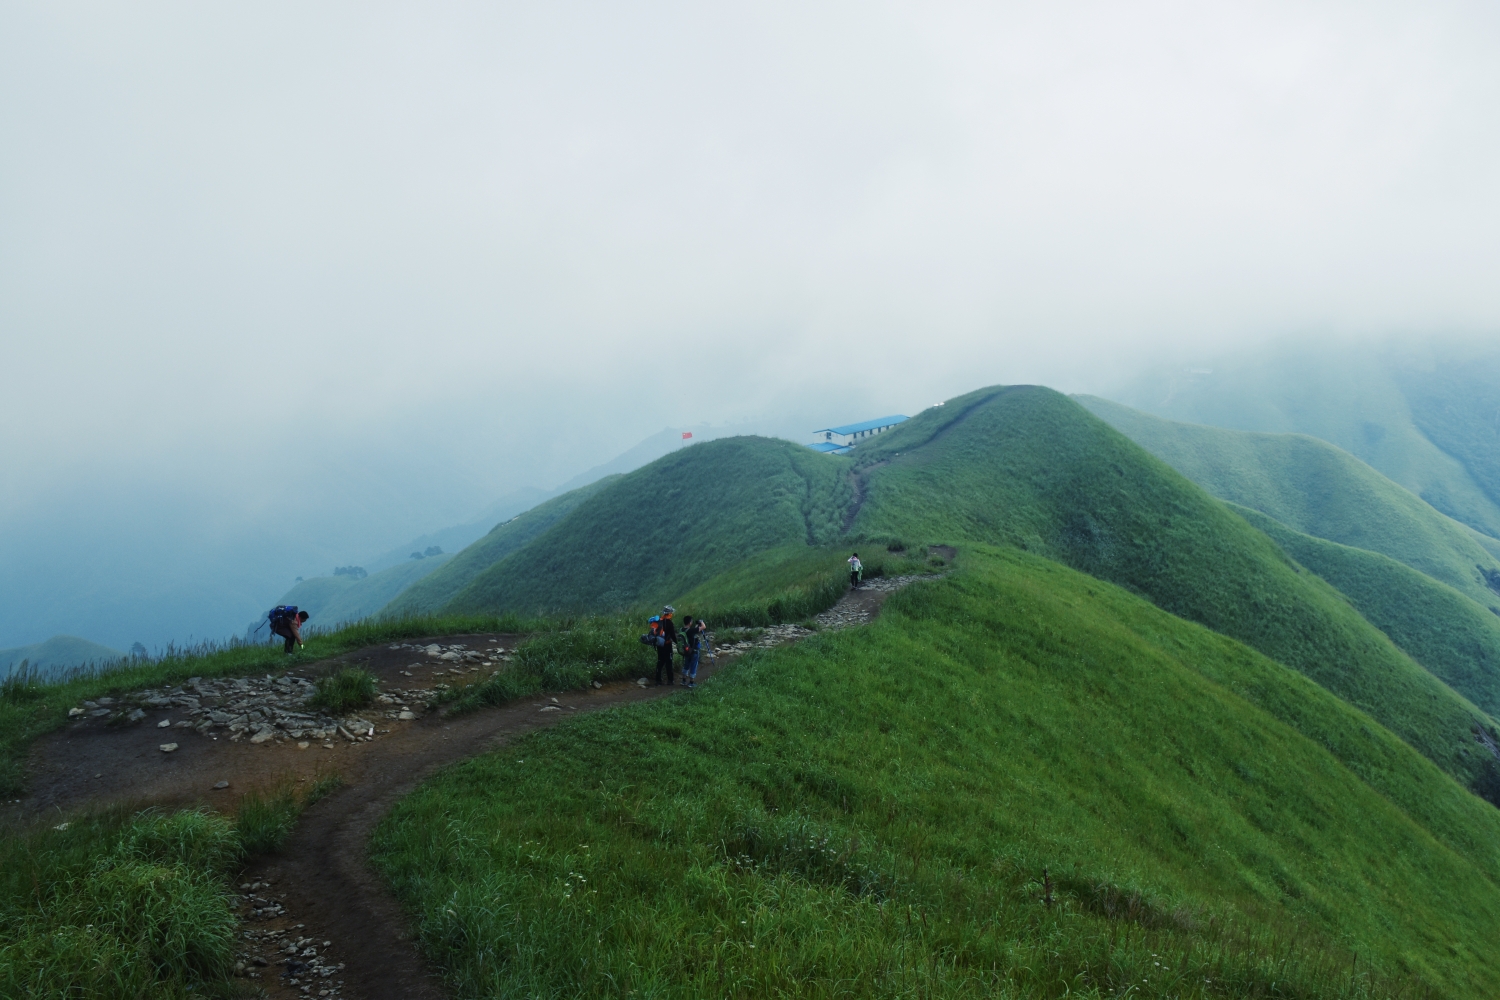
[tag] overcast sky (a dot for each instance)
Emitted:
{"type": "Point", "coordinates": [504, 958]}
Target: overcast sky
{"type": "Point", "coordinates": [275, 260]}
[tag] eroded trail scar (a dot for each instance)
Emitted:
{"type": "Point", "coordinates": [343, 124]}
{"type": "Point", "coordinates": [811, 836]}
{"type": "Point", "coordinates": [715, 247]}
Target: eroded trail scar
{"type": "Point", "coordinates": [318, 921]}
{"type": "Point", "coordinates": [856, 607]}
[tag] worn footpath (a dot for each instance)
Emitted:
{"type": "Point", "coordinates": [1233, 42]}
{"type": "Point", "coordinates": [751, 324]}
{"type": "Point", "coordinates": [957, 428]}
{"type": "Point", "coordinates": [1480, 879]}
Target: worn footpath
{"type": "Point", "coordinates": [317, 922]}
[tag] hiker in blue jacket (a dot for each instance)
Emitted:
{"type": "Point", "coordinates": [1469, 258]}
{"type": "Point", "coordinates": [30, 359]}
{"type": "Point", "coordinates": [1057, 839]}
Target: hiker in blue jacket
{"type": "Point", "coordinates": [692, 645]}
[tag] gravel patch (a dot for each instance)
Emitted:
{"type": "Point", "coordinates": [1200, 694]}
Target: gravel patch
{"type": "Point", "coordinates": [277, 707]}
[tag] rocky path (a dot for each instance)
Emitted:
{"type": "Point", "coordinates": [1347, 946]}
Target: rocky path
{"type": "Point", "coordinates": [317, 921]}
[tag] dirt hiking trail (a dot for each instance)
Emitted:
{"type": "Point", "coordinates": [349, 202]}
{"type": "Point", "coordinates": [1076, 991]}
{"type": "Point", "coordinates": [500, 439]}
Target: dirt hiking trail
{"type": "Point", "coordinates": [316, 920]}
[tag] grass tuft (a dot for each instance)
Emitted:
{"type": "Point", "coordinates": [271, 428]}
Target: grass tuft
{"type": "Point", "coordinates": [266, 819]}
{"type": "Point", "coordinates": [344, 691]}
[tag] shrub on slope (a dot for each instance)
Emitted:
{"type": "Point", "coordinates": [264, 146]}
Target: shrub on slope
{"type": "Point", "coordinates": [1441, 629]}
{"type": "Point", "coordinates": [670, 526]}
{"type": "Point", "coordinates": [432, 592]}
{"type": "Point", "coordinates": [1029, 467]}
{"type": "Point", "coordinates": [1313, 487]}
{"type": "Point", "coordinates": [869, 813]}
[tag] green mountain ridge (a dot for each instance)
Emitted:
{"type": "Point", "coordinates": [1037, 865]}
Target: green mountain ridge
{"type": "Point", "coordinates": [1313, 487]}
{"type": "Point", "coordinates": [1457, 640]}
{"type": "Point", "coordinates": [439, 589]}
{"type": "Point", "coordinates": [1415, 413]}
{"type": "Point", "coordinates": [1021, 466]}
{"type": "Point", "coordinates": [1028, 467]}
{"type": "Point", "coordinates": [663, 529]}
{"type": "Point", "coordinates": [1119, 738]}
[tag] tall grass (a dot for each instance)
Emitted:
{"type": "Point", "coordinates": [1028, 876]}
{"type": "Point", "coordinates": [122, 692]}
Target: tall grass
{"type": "Point", "coordinates": [118, 905]}
{"type": "Point", "coordinates": [265, 819]}
{"type": "Point", "coordinates": [886, 811]}
{"type": "Point", "coordinates": [122, 904]}
{"type": "Point", "coordinates": [570, 655]}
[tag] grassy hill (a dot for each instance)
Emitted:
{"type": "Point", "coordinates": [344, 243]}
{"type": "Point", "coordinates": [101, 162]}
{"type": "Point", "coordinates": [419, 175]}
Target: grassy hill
{"type": "Point", "coordinates": [333, 600]}
{"type": "Point", "coordinates": [1027, 467]}
{"type": "Point", "coordinates": [436, 590]}
{"type": "Point", "coordinates": [1018, 781]}
{"type": "Point", "coordinates": [664, 529]}
{"type": "Point", "coordinates": [1406, 412]}
{"type": "Point", "coordinates": [1313, 487]}
{"type": "Point", "coordinates": [1456, 404]}
{"type": "Point", "coordinates": [1454, 638]}
{"type": "Point", "coordinates": [58, 653]}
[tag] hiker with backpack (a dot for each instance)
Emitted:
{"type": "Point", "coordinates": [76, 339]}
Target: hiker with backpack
{"type": "Point", "coordinates": [856, 571]}
{"type": "Point", "coordinates": [667, 630]}
{"type": "Point", "coordinates": [286, 621]}
{"type": "Point", "coordinates": [692, 646]}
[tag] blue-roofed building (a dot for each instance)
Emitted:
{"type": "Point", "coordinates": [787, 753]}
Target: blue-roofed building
{"type": "Point", "coordinates": [837, 440]}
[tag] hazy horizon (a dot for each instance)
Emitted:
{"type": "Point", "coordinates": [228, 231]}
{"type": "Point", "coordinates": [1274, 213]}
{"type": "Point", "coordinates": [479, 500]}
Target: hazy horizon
{"type": "Point", "coordinates": [285, 286]}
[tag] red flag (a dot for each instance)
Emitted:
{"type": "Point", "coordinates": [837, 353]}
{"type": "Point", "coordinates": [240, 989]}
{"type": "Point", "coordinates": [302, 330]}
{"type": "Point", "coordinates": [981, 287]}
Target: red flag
{"type": "Point", "coordinates": [686, 435]}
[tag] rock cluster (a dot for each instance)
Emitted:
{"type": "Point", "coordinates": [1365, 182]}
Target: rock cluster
{"type": "Point", "coordinates": [263, 709]}
{"type": "Point", "coordinates": [845, 614]}
{"type": "Point", "coordinates": [255, 708]}
{"type": "Point", "coordinates": [259, 907]}
{"type": "Point", "coordinates": [457, 653]}
{"type": "Point", "coordinates": [304, 969]}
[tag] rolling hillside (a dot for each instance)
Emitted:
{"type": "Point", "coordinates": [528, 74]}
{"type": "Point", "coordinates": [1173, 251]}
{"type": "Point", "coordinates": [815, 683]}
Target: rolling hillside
{"type": "Point", "coordinates": [661, 530]}
{"type": "Point", "coordinates": [1027, 467]}
{"type": "Point", "coordinates": [1019, 466]}
{"type": "Point", "coordinates": [1454, 638]}
{"type": "Point", "coordinates": [1019, 781]}
{"type": "Point", "coordinates": [436, 590]}
{"type": "Point", "coordinates": [1456, 404]}
{"type": "Point", "coordinates": [1309, 485]}
{"type": "Point", "coordinates": [1420, 416]}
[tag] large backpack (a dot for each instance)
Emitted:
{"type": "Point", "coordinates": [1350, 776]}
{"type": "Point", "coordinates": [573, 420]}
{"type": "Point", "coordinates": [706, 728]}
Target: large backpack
{"type": "Point", "coordinates": [653, 636]}
{"type": "Point", "coordinates": [280, 614]}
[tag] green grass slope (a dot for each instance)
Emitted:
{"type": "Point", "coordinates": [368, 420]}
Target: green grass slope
{"type": "Point", "coordinates": [1456, 404]}
{"type": "Point", "coordinates": [1028, 467]}
{"type": "Point", "coordinates": [1450, 635]}
{"type": "Point", "coordinates": [436, 590]}
{"type": "Point", "coordinates": [668, 527]}
{"type": "Point", "coordinates": [871, 813]}
{"type": "Point", "coordinates": [1313, 487]}
{"type": "Point", "coordinates": [1360, 396]}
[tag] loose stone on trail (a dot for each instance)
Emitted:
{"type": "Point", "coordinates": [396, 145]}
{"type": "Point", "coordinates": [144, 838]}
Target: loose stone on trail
{"type": "Point", "coordinates": [168, 747]}
{"type": "Point", "coordinates": [219, 786]}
